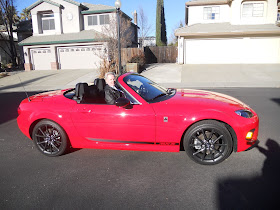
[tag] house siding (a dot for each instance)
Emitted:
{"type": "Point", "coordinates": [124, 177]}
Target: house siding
{"type": "Point", "coordinates": [233, 38]}
{"type": "Point", "coordinates": [196, 14]}
{"type": "Point", "coordinates": [72, 42]}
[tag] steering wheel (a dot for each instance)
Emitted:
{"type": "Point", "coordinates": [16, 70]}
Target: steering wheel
{"type": "Point", "coordinates": [142, 90]}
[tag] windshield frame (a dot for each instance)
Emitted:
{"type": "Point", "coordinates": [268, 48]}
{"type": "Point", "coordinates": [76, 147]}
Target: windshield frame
{"type": "Point", "coordinates": [151, 91]}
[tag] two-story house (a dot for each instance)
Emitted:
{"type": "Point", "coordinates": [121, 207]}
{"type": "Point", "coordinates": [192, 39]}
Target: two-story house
{"type": "Point", "coordinates": [230, 32]}
{"type": "Point", "coordinates": [69, 35]}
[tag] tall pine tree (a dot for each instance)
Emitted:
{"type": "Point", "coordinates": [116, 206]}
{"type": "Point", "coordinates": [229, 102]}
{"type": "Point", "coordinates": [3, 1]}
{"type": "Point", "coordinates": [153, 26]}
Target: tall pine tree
{"type": "Point", "coordinates": [160, 25]}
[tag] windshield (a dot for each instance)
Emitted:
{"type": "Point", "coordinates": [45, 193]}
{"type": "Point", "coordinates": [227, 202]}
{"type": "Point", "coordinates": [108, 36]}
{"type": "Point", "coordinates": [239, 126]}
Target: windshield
{"type": "Point", "coordinates": [146, 88]}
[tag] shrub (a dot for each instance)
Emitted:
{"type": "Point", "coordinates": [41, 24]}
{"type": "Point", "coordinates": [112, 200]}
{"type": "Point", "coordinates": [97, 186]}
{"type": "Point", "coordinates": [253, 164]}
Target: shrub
{"type": "Point", "coordinates": [106, 66]}
{"type": "Point", "coordinates": [140, 59]}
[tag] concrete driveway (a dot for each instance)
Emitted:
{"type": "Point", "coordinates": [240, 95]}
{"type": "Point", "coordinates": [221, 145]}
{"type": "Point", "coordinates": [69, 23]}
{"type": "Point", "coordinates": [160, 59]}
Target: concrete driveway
{"type": "Point", "coordinates": [46, 80]}
{"type": "Point", "coordinates": [213, 76]}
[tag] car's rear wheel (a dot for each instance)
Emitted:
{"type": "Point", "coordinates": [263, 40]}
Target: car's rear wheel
{"type": "Point", "coordinates": [50, 138]}
{"type": "Point", "coordinates": [208, 142]}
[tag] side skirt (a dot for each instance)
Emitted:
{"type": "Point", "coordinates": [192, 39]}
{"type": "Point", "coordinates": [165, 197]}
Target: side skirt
{"type": "Point", "coordinates": [129, 145]}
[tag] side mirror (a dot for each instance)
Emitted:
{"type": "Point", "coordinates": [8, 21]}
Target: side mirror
{"type": "Point", "coordinates": [122, 102]}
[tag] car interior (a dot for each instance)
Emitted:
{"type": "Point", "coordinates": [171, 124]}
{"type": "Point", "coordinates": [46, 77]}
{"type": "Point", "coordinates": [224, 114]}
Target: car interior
{"type": "Point", "coordinates": [84, 93]}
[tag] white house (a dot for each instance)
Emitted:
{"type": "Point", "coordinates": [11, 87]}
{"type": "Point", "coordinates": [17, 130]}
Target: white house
{"type": "Point", "coordinates": [147, 41]}
{"type": "Point", "coordinates": [230, 32]}
{"type": "Point", "coordinates": [68, 35]}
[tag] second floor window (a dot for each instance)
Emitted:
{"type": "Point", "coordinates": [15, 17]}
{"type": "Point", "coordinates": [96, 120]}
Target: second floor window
{"type": "Point", "coordinates": [253, 10]}
{"type": "Point", "coordinates": [48, 22]}
{"type": "Point", "coordinates": [104, 19]}
{"type": "Point", "coordinates": [98, 20]}
{"type": "Point", "coordinates": [92, 20]}
{"type": "Point", "coordinates": [211, 13]}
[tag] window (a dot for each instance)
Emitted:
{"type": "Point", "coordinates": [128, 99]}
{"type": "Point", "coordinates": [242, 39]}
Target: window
{"type": "Point", "coordinates": [92, 20]}
{"type": "Point", "coordinates": [104, 19]}
{"type": "Point", "coordinates": [211, 13]}
{"type": "Point", "coordinates": [98, 20]}
{"type": "Point", "coordinates": [48, 22]}
{"type": "Point", "coordinates": [253, 10]}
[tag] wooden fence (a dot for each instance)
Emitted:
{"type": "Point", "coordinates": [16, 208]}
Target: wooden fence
{"type": "Point", "coordinates": [167, 54]}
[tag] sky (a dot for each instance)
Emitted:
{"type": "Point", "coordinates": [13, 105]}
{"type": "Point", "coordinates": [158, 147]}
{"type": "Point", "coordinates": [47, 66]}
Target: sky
{"type": "Point", "coordinates": [174, 10]}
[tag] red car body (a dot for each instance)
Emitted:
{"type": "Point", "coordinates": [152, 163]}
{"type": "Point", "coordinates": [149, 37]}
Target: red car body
{"type": "Point", "coordinates": [158, 126]}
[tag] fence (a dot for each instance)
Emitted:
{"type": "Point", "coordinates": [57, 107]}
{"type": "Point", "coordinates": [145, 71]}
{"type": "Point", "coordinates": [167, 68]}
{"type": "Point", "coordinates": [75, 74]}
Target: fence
{"type": "Point", "coordinates": [167, 54]}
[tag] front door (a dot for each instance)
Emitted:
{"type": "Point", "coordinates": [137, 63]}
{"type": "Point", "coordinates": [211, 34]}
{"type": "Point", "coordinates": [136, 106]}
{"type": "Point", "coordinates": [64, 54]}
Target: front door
{"type": "Point", "coordinates": [112, 124]}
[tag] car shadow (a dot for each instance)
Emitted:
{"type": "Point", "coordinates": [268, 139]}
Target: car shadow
{"type": "Point", "coordinates": [9, 102]}
{"type": "Point", "coordinates": [259, 192]}
{"type": "Point", "coordinates": [276, 100]}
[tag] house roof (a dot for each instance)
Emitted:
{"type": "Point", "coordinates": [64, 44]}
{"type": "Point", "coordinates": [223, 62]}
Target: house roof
{"type": "Point", "coordinates": [207, 2]}
{"type": "Point", "coordinates": [100, 8]}
{"type": "Point", "coordinates": [83, 36]}
{"type": "Point", "coordinates": [41, 1]}
{"type": "Point", "coordinates": [54, 3]}
{"type": "Point", "coordinates": [220, 29]}
{"type": "Point", "coordinates": [97, 8]}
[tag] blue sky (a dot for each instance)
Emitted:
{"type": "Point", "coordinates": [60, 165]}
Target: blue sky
{"type": "Point", "coordinates": [174, 10]}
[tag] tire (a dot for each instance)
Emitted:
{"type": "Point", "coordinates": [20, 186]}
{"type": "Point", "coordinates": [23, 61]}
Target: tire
{"type": "Point", "coordinates": [208, 142]}
{"type": "Point", "coordinates": [49, 138]}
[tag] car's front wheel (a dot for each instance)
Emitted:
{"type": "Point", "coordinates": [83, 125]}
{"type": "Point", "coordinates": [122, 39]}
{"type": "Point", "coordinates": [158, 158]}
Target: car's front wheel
{"type": "Point", "coordinates": [208, 142]}
{"type": "Point", "coordinates": [50, 138]}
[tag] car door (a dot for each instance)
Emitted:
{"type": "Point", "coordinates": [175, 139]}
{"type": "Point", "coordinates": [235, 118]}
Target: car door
{"type": "Point", "coordinates": [110, 123]}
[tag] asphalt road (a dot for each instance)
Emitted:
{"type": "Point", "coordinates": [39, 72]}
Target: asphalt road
{"type": "Point", "coordinates": [109, 179]}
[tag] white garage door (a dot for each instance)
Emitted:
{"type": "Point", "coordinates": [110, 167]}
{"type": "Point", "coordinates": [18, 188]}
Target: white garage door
{"type": "Point", "coordinates": [79, 57]}
{"type": "Point", "coordinates": [232, 51]}
{"type": "Point", "coordinates": [41, 58]}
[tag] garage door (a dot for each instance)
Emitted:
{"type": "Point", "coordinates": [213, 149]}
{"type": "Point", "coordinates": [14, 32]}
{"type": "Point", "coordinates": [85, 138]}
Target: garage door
{"type": "Point", "coordinates": [41, 58]}
{"type": "Point", "coordinates": [79, 57]}
{"type": "Point", "coordinates": [232, 51]}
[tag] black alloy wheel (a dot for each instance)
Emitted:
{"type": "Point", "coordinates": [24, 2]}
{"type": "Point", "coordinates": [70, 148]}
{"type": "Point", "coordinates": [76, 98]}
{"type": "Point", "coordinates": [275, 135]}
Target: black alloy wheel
{"type": "Point", "coordinates": [50, 138]}
{"type": "Point", "coordinates": [208, 142]}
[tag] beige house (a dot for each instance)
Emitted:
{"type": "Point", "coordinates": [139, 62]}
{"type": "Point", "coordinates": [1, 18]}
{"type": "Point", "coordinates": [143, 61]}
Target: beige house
{"type": "Point", "coordinates": [230, 32]}
{"type": "Point", "coordinates": [69, 35]}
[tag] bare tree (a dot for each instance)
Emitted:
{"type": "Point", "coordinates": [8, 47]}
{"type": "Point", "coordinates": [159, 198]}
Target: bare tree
{"type": "Point", "coordinates": [9, 18]}
{"type": "Point", "coordinates": [173, 39]}
{"type": "Point", "coordinates": [110, 35]}
{"type": "Point", "coordinates": [145, 27]}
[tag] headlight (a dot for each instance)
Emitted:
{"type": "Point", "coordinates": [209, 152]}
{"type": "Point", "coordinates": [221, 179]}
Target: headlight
{"type": "Point", "coordinates": [244, 113]}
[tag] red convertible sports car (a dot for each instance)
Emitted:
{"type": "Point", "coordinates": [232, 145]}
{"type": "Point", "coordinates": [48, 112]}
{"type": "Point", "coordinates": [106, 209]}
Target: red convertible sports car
{"type": "Point", "coordinates": [208, 125]}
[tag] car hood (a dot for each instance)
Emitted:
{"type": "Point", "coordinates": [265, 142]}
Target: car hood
{"type": "Point", "coordinates": [207, 98]}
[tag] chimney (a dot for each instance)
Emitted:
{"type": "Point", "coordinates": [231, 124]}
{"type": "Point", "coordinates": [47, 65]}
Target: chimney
{"type": "Point", "coordinates": [135, 17]}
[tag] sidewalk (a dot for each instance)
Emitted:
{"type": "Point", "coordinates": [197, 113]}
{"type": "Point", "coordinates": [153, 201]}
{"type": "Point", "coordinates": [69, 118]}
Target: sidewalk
{"type": "Point", "coordinates": [169, 75]}
{"type": "Point", "coordinates": [46, 80]}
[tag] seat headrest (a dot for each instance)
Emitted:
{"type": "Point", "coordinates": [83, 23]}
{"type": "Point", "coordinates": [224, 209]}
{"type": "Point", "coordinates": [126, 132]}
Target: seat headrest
{"type": "Point", "coordinates": [100, 84]}
{"type": "Point", "coordinates": [80, 90]}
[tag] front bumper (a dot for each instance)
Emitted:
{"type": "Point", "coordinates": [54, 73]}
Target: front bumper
{"type": "Point", "coordinates": [256, 143]}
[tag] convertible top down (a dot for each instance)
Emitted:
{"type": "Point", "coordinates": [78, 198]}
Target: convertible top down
{"type": "Point", "coordinates": [208, 125]}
